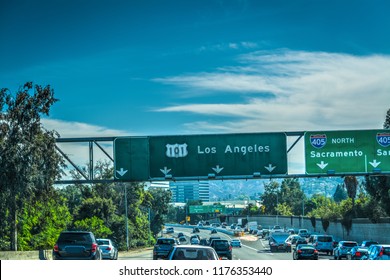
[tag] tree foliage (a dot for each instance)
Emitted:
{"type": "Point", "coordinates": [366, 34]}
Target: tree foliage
{"type": "Point", "coordinates": [28, 158]}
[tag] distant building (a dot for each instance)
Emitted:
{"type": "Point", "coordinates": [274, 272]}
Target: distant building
{"type": "Point", "coordinates": [185, 191]}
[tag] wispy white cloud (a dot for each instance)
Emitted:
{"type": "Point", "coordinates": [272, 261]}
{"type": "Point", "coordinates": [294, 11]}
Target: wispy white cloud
{"type": "Point", "coordinates": [304, 91]}
{"type": "Point", "coordinates": [231, 45]}
{"type": "Point", "coordinates": [68, 129]}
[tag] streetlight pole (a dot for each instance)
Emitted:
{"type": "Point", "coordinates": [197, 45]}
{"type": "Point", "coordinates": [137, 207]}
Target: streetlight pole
{"type": "Point", "coordinates": [126, 220]}
{"type": "Point", "coordinates": [277, 211]}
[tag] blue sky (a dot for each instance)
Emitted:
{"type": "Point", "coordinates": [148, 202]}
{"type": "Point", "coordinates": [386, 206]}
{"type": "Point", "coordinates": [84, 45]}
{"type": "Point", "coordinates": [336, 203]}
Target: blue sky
{"type": "Point", "coordinates": [182, 67]}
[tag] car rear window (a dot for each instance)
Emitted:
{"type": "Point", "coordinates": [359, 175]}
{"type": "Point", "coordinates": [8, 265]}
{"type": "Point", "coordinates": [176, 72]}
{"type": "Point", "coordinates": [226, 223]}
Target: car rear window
{"type": "Point", "coordinates": [103, 242]}
{"type": "Point", "coordinates": [69, 237]}
{"type": "Point", "coordinates": [325, 239]}
{"type": "Point", "coordinates": [218, 244]}
{"type": "Point", "coordinates": [165, 241]}
{"type": "Point", "coordinates": [349, 244]}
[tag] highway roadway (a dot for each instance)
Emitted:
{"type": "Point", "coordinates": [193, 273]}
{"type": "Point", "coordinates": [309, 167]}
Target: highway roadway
{"type": "Point", "coordinates": [253, 248]}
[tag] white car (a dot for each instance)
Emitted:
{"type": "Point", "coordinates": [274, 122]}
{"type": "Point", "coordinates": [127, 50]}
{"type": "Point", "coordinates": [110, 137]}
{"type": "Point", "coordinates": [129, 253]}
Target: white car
{"type": "Point", "coordinates": [109, 250]}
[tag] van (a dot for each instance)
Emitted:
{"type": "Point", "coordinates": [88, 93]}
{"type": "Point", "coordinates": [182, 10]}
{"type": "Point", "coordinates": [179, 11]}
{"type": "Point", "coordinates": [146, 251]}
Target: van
{"type": "Point", "coordinates": [323, 243]}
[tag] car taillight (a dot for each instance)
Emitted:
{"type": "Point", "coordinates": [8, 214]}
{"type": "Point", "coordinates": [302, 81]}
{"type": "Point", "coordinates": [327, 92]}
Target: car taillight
{"type": "Point", "coordinates": [94, 247]}
{"type": "Point", "coordinates": [108, 248]}
{"type": "Point", "coordinates": [230, 248]}
{"type": "Point", "coordinates": [299, 251]}
{"type": "Point", "coordinates": [55, 248]}
{"type": "Point", "coordinates": [315, 252]}
{"type": "Point", "coordinates": [381, 253]}
{"type": "Point", "coordinates": [358, 254]}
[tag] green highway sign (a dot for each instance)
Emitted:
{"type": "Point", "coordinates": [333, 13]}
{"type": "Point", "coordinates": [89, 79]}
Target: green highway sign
{"type": "Point", "coordinates": [200, 156]}
{"type": "Point", "coordinates": [334, 152]}
{"type": "Point", "coordinates": [204, 209]}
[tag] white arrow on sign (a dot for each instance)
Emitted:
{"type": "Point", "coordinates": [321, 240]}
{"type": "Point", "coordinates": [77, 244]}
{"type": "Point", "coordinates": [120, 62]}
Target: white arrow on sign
{"type": "Point", "coordinates": [165, 170]}
{"type": "Point", "coordinates": [121, 172]}
{"type": "Point", "coordinates": [322, 165]}
{"type": "Point", "coordinates": [217, 169]}
{"type": "Point", "coordinates": [270, 168]}
{"type": "Point", "coordinates": [375, 163]}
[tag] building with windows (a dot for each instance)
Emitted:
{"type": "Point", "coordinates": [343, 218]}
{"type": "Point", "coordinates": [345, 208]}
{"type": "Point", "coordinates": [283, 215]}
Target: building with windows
{"type": "Point", "coordinates": [194, 190]}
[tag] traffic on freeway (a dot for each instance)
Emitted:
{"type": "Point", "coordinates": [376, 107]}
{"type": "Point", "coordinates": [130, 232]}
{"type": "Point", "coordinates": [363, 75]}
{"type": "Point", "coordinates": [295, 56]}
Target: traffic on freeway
{"type": "Point", "coordinates": [255, 245]}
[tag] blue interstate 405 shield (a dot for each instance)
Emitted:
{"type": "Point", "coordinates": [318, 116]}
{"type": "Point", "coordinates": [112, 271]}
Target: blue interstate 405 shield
{"type": "Point", "coordinates": [383, 139]}
{"type": "Point", "coordinates": [318, 140]}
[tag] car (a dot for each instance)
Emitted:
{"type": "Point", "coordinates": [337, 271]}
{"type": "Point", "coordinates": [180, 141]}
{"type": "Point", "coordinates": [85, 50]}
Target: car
{"type": "Point", "coordinates": [169, 230]}
{"type": "Point", "coordinates": [235, 243]}
{"type": "Point", "coordinates": [194, 241]}
{"type": "Point", "coordinates": [323, 243]}
{"type": "Point", "coordinates": [76, 245]}
{"type": "Point", "coordinates": [195, 230]}
{"type": "Point", "coordinates": [290, 231]}
{"type": "Point", "coordinates": [357, 253]}
{"type": "Point", "coordinates": [195, 236]}
{"type": "Point", "coordinates": [182, 239]}
{"type": "Point", "coordinates": [301, 240]}
{"type": "Point", "coordinates": [277, 242]}
{"type": "Point", "coordinates": [304, 233]}
{"type": "Point", "coordinates": [223, 248]}
{"type": "Point", "coordinates": [192, 252]}
{"type": "Point", "coordinates": [162, 247]}
{"type": "Point", "coordinates": [203, 241]}
{"type": "Point", "coordinates": [277, 228]}
{"type": "Point", "coordinates": [213, 231]}
{"type": "Point", "coordinates": [343, 249]}
{"type": "Point", "coordinates": [212, 238]}
{"type": "Point", "coordinates": [368, 243]}
{"type": "Point", "coordinates": [379, 252]}
{"type": "Point", "coordinates": [311, 238]}
{"type": "Point", "coordinates": [293, 238]}
{"type": "Point", "coordinates": [305, 251]}
{"type": "Point", "coordinates": [108, 248]}
{"type": "Point", "coordinates": [263, 233]}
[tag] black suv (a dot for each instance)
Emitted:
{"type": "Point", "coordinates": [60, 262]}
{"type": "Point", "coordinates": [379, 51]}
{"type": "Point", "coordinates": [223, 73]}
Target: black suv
{"type": "Point", "coordinates": [162, 247]}
{"type": "Point", "coordinates": [222, 247]}
{"type": "Point", "coordinates": [76, 245]}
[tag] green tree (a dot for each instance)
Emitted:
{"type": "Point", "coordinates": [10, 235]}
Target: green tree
{"type": "Point", "coordinates": [158, 209]}
{"type": "Point", "coordinates": [284, 209]}
{"type": "Point", "coordinates": [386, 124]}
{"type": "Point", "coordinates": [41, 221]}
{"type": "Point", "coordinates": [95, 225]}
{"type": "Point", "coordinates": [292, 195]}
{"type": "Point", "coordinates": [28, 157]}
{"type": "Point", "coordinates": [270, 197]}
{"type": "Point", "coordinates": [378, 187]}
